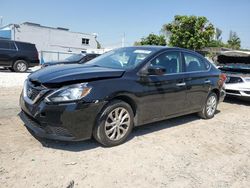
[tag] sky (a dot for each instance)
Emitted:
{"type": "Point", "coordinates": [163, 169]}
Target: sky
{"type": "Point", "coordinates": [111, 19]}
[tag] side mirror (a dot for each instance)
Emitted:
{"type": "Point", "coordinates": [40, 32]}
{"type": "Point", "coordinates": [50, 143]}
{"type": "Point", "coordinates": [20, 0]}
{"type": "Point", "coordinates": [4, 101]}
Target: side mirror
{"type": "Point", "coordinates": [156, 70]}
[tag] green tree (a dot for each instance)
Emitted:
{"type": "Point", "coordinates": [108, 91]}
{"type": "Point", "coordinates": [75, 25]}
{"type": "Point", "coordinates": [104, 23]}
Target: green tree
{"type": "Point", "coordinates": [152, 39]}
{"type": "Point", "coordinates": [190, 32]}
{"type": "Point", "coordinates": [216, 43]}
{"type": "Point", "coordinates": [234, 41]}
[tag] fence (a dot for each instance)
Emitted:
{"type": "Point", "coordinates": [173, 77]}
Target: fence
{"type": "Point", "coordinates": [46, 56]}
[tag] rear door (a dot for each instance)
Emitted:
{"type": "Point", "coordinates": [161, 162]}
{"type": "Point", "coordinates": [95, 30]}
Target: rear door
{"type": "Point", "coordinates": [198, 81]}
{"type": "Point", "coordinates": [7, 52]}
{"type": "Point", "coordinates": [164, 94]}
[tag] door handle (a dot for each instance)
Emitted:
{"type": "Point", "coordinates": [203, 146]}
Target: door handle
{"type": "Point", "coordinates": [207, 81]}
{"type": "Point", "coordinates": [181, 84]}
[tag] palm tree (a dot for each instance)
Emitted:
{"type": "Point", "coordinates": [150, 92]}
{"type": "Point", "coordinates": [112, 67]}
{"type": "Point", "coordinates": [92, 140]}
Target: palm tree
{"type": "Point", "coordinates": [234, 41]}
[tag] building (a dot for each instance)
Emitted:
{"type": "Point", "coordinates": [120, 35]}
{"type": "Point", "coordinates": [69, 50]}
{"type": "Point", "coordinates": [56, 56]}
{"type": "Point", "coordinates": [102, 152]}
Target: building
{"type": "Point", "coordinates": [50, 41]}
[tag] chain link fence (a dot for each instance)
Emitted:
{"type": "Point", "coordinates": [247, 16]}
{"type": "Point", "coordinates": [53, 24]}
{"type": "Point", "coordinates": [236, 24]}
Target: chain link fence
{"type": "Point", "coordinates": [47, 56]}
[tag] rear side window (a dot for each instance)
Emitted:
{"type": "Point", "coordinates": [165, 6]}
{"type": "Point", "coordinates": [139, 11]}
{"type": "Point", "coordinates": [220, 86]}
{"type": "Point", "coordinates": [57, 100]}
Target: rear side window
{"type": "Point", "coordinates": [194, 63]}
{"type": "Point", "coordinates": [7, 45]}
{"type": "Point", "coordinates": [24, 46]}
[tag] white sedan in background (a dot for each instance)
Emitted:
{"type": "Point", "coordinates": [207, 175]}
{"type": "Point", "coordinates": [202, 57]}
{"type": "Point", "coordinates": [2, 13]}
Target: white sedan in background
{"type": "Point", "coordinates": [236, 66]}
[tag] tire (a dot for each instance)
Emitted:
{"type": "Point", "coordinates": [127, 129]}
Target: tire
{"type": "Point", "coordinates": [11, 69]}
{"type": "Point", "coordinates": [116, 117]}
{"type": "Point", "coordinates": [210, 107]}
{"type": "Point", "coordinates": [20, 66]}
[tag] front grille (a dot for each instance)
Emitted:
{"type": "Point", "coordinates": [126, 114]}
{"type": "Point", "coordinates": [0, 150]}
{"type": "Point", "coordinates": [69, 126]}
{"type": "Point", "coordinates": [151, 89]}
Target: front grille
{"type": "Point", "coordinates": [32, 124]}
{"type": "Point", "coordinates": [60, 131]}
{"type": "Point", "coordinates": [233, 80]}
{"type": "Point", "coordinates": [32, 92]}
{"type": "Point", "coordinates": [232, 91]}
{"type": "Point", "coordinates": [247, 92]}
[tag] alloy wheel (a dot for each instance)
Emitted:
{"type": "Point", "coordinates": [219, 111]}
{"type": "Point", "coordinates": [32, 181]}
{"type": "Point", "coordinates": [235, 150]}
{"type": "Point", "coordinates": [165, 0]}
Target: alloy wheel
{"type": "Point", "coordinates": [211, 105]}
{"type": "Point", "coordinates": [117, 123]}
{"type": "Point", "coordinates": [21, 67]}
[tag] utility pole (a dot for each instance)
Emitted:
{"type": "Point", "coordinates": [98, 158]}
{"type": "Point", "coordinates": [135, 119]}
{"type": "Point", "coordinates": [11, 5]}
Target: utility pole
{"type": "Point", "coordinates": [123, 40]}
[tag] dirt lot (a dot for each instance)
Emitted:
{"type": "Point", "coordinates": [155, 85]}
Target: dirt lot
{"type": "Point", "coordinates": [182, 152]}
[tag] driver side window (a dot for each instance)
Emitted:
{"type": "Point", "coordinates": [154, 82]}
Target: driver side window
{"type": "Point", "coordinates": [170, 61]}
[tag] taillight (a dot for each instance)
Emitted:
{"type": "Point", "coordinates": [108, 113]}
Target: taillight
{"type": "Point", "coordinates": [223, 77]}
{"type": "Point", "coordinates": [222, 80]}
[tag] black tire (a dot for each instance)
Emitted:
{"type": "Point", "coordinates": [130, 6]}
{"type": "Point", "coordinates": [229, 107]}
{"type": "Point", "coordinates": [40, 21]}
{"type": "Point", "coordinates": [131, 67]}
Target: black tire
{"type": "Point", "coordinates": [100, 130]}
{"type": "Point", "coordinates": [20, 66]}
{"type": "Point", "coordinates": [11, 69]}
{"type": "Point", "coordinates": [205, 113]}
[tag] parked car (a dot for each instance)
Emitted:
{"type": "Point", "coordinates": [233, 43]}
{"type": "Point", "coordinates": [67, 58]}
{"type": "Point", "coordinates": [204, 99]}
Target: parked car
{"type": "Point", "coordinates": [237, 69]}
{"type": "Point", "coordinates": [108, 96]}
{"type": "Point", "coordinates": [73, 59]}
{"type": "Point", "coordinates": [18, 56]}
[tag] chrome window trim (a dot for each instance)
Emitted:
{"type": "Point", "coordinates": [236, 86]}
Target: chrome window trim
{"type": "Point", "coordinates": [181, 54]}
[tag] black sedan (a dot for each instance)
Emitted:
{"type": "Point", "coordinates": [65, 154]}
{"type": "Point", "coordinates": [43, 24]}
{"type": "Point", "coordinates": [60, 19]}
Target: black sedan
{"type": "Point", "coordinates": [127, 87]}
{"type": "Point", "coordinates": [73, 59]}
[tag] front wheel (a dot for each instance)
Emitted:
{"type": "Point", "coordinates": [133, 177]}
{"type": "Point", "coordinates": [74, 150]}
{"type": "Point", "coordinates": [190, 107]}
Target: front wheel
{"type": "Point", "coordinates": [210, 107]}
{"type": "Point", "coordinates": [114, 124]}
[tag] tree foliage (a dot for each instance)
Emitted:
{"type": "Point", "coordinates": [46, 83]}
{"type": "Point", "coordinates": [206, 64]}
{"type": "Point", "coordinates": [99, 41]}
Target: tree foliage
{"type": "Point", "coordinates": [234, 41]}
{"type": "Point", "coordinates": [190, 32]}
{"type": "Point", "coordinates": [152, 39]}
{"type": "Point", "coordinates": [216, 44]}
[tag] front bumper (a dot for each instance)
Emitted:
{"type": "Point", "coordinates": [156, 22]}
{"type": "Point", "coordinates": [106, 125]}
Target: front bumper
{"type": "Point", "coordinates": [69, 121]}
{"type": "Point", "coordinates": [238, 89]}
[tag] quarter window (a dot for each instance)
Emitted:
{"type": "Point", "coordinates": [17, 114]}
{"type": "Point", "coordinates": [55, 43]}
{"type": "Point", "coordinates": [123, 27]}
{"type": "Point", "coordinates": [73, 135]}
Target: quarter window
{"type": "Point", "coordinates": [170, 61]}
{"type": "Point", "coordinates": [85, 41]}
{"type": "Point", "coordinates": [7, 45]}
{"type": "Point", "coordinates": [194, 63]}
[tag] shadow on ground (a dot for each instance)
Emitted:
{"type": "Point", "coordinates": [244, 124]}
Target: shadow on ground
{"type": "Point", "coordinates": [237, 100]}
{"type": "Point", "coordinates": [137, 131]}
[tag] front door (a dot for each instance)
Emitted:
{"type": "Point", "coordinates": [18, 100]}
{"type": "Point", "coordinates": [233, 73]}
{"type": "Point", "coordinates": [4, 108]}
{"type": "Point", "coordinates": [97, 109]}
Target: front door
{"type": "Point", "coordinates": [164, 94]}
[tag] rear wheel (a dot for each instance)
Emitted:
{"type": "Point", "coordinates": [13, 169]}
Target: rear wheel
{"type": "Point", "coordinates": [114, 124]}
{"type": "Point", "coordinates": [210, 107]}
{"type": "Point", "coordinates": [20, 66]}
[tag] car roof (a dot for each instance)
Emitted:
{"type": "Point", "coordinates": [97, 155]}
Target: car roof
{"type": "Point", "coordinates": [162, 48]}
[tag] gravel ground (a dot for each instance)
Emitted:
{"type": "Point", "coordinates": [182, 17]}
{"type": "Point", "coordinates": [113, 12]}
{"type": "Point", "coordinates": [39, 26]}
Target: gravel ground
{"type": "Point", "coordinates": [181, 152]}
{"type": "Point", "coordinates": [10, 79]}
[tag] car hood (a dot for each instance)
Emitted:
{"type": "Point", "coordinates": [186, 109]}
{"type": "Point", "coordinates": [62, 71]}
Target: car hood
{"type": "Point", "coordinates": [72, 74]}
{"type": "Point", "coordinates": [59, 62]}
{"type": "Point", "coordinates": [236, 69]}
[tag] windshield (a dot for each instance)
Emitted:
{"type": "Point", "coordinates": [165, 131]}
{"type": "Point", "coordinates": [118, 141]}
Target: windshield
{"type": "Point", "coordinates": [75, 57]}
{"type": "Point", "coordinates": [122, 58]}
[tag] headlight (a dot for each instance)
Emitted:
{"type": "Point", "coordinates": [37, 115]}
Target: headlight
{"type": "Point", "coordinates": [69, 93]}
